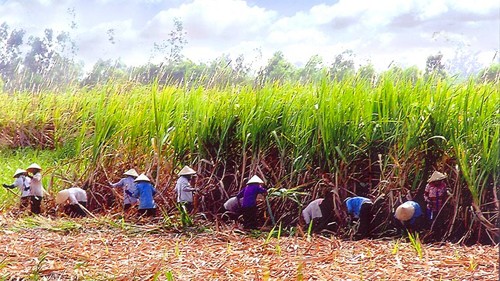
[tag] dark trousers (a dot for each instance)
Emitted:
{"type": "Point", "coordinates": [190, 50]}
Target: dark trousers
{"type": "Point", "coordinates": [36, 202]}
{"type": "Point", "coordinates": [147, 212]}
{"type": "Point", "coordinates": [188, 206]}
{"type": "Point", "coordinates": [76, 211]}
{"type": "Point", "coordinates": [25, 203]}
{"type": "Point", "coordinates": [249, 217]}
{"type": "Point", "coordinates": [365, 218]}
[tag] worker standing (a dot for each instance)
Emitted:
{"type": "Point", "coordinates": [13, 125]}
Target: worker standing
{"type": "Point", "coordinates": [22, 181]}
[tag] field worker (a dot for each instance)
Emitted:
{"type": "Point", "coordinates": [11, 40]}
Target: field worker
{"type": "Point", "coordinates": [312, 213]}
{"type": "Point", "coordinates": [36, 188]}
{"type": "Point", "coordinates": [127, 184]}
{"type": "Point", "coordinates": [320, 212]}
{"type": "Point", "coordinates": [249, 194]}
{"type": "Point", "coordinates": [435, 194]}
{"type": "Point", "coordinates": [360, 208]}
{"type": "Point", "coordinates": [145, 192]}
{"type": "Point", "coordinates": [76, 198]}
{"type": "Point", "coordinates": [184, 189]}
{"type": "Point", "coordinates": [233, 207]}
{"type": "Point", "coordinates": [410, 215]}
{"type": "Point", "coordinates": [23, 183]}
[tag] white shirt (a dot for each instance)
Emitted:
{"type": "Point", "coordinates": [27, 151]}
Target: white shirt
{"type": "Point", "coordinates": [127, 184]}
{"type": "Point", "coordinates": [23, 183]}
{"type": "Point", "coordinates": [77, 195]}
{"type": "Point", "coordinates": [312, 211]}
{"type": "Point", "coordinates": [184, 190]}
{"type": "Point", "coordinates": [232, 204]}
{"type": "Point", "coordinates": [36, 185]}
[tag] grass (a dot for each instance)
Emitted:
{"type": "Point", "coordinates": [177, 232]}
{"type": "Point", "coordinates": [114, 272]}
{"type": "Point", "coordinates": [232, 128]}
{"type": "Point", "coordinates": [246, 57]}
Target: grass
{"type": "Point", "coordinates": [416, 244]}
{"type": "Point", "coordinates": [40, 222]}
{"type": "Point", "coordinates": [35, 272]}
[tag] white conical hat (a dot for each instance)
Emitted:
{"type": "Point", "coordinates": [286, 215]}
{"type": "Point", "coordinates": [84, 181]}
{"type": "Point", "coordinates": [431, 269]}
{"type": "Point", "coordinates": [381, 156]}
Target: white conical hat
{"type": "Point", "coordinates": [436, 176]}
{"type": "Point", "coordinates": [186, 171]}
{"type": "Point", "coordinates": [142, 177]}
{"type": "Point", "coordinates": [33, 166]}
{"type": "Point", "coordinates": [18, 172]}
{"type": "Point", "coordinates": [62, 196]}
{"type": "Point", "coordinates": [404, 212]}
{"type": "Point", "coordinates": [132, 173]}
{"type": "Point", "coordinates": [255, 179]}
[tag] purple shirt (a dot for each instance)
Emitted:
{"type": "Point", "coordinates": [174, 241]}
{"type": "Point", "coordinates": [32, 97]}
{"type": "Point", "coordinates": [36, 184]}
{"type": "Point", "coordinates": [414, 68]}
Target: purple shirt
{"type": "Point", "coordinates": [249, 194]}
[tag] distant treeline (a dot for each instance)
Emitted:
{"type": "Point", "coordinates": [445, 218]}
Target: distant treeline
{"type": "Point", "coordinates": [49, 62]}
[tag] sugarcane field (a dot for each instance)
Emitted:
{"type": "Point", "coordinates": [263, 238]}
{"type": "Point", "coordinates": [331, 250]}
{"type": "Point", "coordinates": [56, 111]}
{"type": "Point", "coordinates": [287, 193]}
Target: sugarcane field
{"type": "Point", "coordinates": [250, 140]}
{"type": "Point", "coordinates": [155, 183]}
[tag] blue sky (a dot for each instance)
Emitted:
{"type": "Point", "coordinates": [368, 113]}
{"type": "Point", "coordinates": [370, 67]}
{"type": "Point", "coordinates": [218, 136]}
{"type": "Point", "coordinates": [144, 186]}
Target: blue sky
{"type": "Point", "coordinates": [381, 32]}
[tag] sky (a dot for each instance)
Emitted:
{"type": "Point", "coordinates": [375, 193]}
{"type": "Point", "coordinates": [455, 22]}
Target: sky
{"type": "Point", "coordinates": [381, 32]}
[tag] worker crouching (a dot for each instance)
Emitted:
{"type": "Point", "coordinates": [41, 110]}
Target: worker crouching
{"type": "Point", "coordinates": [73, 200]}
{"type": "Point", "coordinates": [410, 216]}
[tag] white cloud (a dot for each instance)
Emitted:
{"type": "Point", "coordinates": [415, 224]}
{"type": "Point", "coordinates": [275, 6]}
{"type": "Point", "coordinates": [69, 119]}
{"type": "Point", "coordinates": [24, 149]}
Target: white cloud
{"type": "Point", "coordinates": [210, 20]}
{"type": "Point", "coordinates": [381, 31]}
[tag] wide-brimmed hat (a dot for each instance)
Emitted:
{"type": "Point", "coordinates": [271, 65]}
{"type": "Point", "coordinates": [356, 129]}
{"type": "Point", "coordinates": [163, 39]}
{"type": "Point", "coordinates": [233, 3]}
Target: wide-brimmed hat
{"type": "Point", "coordinates": [18, 172]}
{"type": "Point", "coordinates": [132, 173]}
{"type": "Point", "coordinates": [142, 177]}
{"type": "Point", "coordinates": [33, 166]}
{"type": "Point", "coordinates": [187, 171]}
{"type": "Point", "coordinates": [436, 176]}
{"type": "Point", "coordinates": [62, 196]}
{"type": "Point", "coordinates": [255, 179]}
{"type": "Point", "coordinates": [404, 212]}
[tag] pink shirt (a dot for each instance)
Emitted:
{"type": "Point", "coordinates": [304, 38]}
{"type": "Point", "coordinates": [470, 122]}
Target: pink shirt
{"type": "Point", "coordinates": [435, 194]}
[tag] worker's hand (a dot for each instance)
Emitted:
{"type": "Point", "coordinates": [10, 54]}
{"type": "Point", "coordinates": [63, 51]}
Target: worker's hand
{"type": "Point", "coordinates": [349, 220]}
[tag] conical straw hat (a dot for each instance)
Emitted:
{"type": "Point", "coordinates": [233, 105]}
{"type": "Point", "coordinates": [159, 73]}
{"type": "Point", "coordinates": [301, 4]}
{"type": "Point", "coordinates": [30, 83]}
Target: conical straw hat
{"type": "Point", "coordinates": [18, 172]}
{"type": "Point", "coordinates": [62, 196]}
{"type": "Point", "coordinates": [404, 212]}
{"type": "Point", "coordinates": [132, 173]}
{"type": "Point", "coordinates": [255, 179]}
{"type": "Point", "coordinates": [142, 177]}
{"type": "Point", "coordinates": [32, 167]}
{"type": "Point", "coordinates": [436, 176]}
{"type": "Point", "coordinates": [186, 171]}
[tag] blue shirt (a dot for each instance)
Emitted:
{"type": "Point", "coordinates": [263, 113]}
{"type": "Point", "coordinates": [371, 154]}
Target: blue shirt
{"type": "Point", "coordinates": [127, 184]}
{"type": "Point", "coordinates": [145, 192]}
{"type": "Point", "coordinates": [354, 205]}
{"type": "Point", "coordinates": [417, 213]}
{"type": "Point", "coordinates": [249, 194]}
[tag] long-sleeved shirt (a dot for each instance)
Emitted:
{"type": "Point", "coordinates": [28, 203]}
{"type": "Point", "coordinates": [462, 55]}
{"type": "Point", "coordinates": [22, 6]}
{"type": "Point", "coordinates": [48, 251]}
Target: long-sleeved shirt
{"type": "Point", "coordinates": [354, 205]}
{"type": "Point", "coordinates": [418, 211]}
{"type": "Point", "coordinates": [23, 183]}
{"type": "Point", "coordinates": [435, 195]}
{"type": "Point", "coordinates": [36, 186]}
{"type": "Point", "coordinates": [76, 195]}
{"type": "Point", "coordinates": [312, 211]}
{"type": "Point", "coordinates": [127, 184]}
{"type": "Point", "coordinates": [249, 195]}
{"type": "Point", "coordinates": [145, 192]}
{"type": "Point", "coordinates": [184, 190]}
{"type": "Point", "coordinates": [232, 204]}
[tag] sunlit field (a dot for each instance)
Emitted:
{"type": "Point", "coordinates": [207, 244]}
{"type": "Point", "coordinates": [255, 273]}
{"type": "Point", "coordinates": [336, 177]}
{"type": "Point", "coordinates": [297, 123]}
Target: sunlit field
{"type": "Point", "coordinates": [381, 138]}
